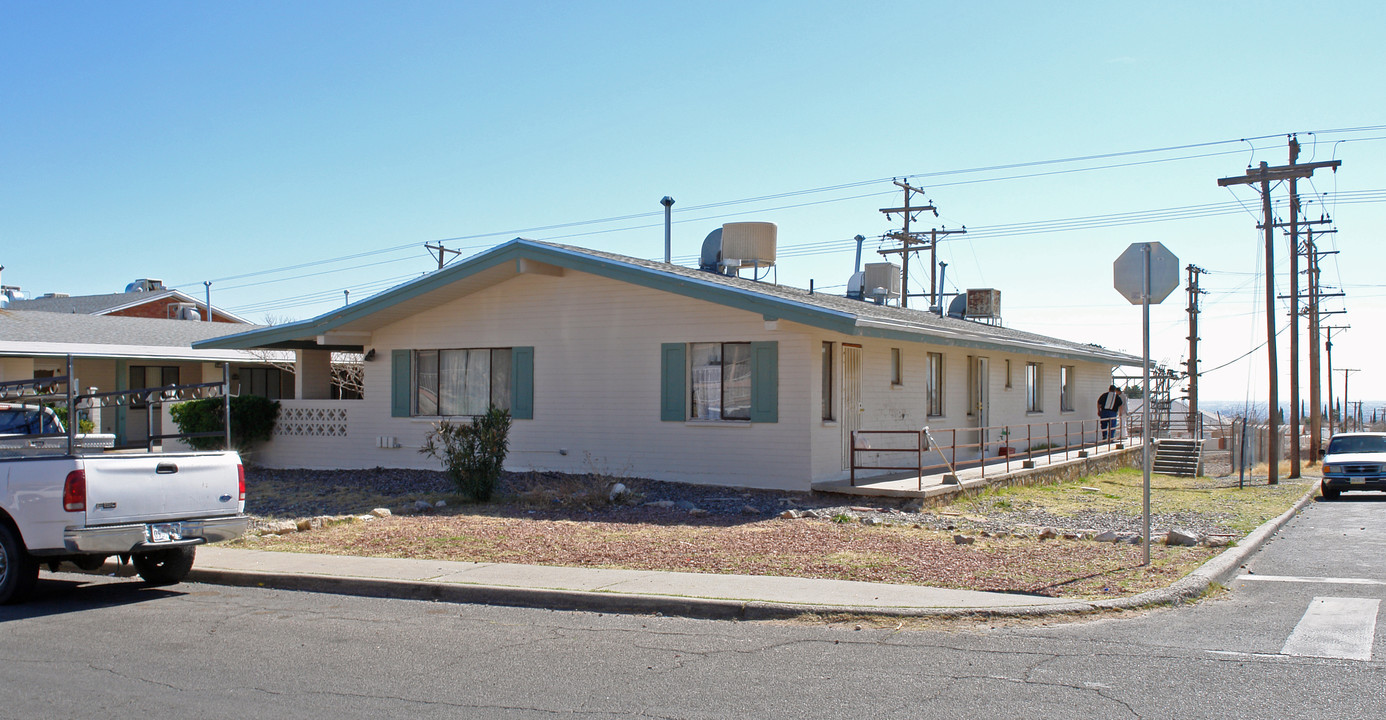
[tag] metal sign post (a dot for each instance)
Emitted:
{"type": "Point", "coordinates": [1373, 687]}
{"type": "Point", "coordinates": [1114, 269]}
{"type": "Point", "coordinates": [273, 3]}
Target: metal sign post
{"type": "Point", "coordinates": [1145, 273]}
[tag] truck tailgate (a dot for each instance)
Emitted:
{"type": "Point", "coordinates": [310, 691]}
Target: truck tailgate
{"type": "Point", "coordinates": [147, 488]}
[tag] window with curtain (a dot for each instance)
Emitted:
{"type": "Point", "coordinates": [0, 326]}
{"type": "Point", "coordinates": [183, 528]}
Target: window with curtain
{"type": "Point", "coordinates": [827, 380]}
{"type": "Point", "coordinates": [720, 379]}
{"type": "Point", "coordinates": [1033, 387]}
{"type": "Point", "coordinates": [935, 384]}
{"type": "Point", "coordinates": [1066, 388]}
{"type": "Point", "coordinates": [461, 381]}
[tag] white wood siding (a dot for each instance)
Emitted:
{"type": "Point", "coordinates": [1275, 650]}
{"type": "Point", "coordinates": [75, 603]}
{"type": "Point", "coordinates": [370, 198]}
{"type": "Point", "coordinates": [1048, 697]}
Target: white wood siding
{"type": "Point", "coordinates": [905, 406]}
{"type": "Point", "coordinates": [596, 385]}
{"type": "Point", "coordinates": [597, 352]}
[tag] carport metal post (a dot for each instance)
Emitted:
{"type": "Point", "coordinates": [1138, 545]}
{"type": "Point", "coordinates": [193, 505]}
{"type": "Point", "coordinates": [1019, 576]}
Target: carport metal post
{"type": "Point", "coordinates": [226, 401]}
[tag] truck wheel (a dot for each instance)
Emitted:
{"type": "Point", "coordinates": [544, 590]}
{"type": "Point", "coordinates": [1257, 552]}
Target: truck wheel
{"type": "Point", "coordinates": [18, 569]}
{"type": "Point", "coordinates": [164, 567]}
{"type": "Point", "coordinates": [1328, 492]}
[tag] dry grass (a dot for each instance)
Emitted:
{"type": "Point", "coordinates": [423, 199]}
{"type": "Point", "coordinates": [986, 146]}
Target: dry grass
{"type": "Point", "coordinates": [890, 554]}
{"type": "Point", "coordinates": [512, 532]}
{"type": "Point", "coordinates": [1240, 509]}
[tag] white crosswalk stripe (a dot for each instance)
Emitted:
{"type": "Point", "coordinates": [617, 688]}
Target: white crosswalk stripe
{"type": "Point", "coordinates": [1314, 580]}
{"type": "Point", "coordinates": [1335, 627]}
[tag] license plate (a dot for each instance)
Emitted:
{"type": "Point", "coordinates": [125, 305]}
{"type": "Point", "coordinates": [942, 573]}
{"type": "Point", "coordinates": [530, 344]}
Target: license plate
{"type": "Point", "coordinates": [163, 533]}
{"type": "Point", "coordinates": [1357, 481]}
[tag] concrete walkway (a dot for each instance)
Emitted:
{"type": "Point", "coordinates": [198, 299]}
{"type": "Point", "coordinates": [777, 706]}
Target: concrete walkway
{"type": "Point", "coordinates": [971, 475]}
{"type": "Point", "coordinates": [670, 593]}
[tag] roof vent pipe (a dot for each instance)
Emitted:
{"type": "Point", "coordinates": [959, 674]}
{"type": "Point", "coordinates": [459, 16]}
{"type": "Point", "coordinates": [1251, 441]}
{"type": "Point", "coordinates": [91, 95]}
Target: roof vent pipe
{"type": "Point", "coordinates": [857, 265]}
{"type": "Point", "coordinates": [668, 204]}
{"type": "Point", "coordinates": [942, 271]}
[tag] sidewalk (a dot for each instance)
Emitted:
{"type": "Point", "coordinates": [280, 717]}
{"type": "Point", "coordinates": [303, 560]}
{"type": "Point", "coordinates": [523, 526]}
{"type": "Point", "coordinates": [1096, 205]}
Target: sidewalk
{"type": "Point", "coordinates": [970, 475]}
{"type": "Point", "coordinates": [670, 593]}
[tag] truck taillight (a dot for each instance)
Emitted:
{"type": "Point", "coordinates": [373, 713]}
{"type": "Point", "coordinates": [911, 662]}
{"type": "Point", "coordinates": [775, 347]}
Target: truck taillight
{"type": "Point", "coordinates": [240, 475]}
{"type": "Point", "coordinates": [75, 491]}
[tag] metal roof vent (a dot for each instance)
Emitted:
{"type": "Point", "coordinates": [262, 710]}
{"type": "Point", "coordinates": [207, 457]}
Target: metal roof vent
{"type": "Point", "coordinates": [748, 245]}
{"type": "Point", "coordinates": [882, 275]}
{"type": "Point", "coordinates": [958, 307]}
{"type": "Point", "coordinates": [711, 257]}
{"type": "Point", "coordinates": [984, 305]}
{"type": "Point", "coordinates": [734, 246]}
{"type": "Point", "coordinates": [9, 294]}
{"type": "Point", "coordinates": [184, 311]}
{"type": "Point", "coordinates": [145, 285]}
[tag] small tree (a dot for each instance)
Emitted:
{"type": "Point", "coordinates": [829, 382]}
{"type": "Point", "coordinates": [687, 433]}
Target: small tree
{"type": "Point", "coordinates": [473, 454]}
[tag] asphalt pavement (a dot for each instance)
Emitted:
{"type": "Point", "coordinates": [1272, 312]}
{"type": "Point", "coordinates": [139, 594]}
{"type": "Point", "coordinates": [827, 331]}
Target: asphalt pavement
{"type": "Point", "coordinates": [672, 593]}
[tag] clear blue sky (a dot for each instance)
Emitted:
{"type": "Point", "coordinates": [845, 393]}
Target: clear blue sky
{"type": "Point", "coordinates": [222, 141]}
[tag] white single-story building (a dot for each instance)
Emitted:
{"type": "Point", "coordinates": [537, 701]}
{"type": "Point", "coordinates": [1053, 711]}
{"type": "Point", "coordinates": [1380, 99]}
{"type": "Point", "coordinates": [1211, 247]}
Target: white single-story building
{"type": "Point", "coordinates": [618, 365]}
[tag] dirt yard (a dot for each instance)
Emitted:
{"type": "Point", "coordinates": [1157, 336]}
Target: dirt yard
{"type": "Point", "coordinates": [1038, 540]}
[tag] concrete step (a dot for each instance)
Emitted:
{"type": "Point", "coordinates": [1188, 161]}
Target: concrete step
{"type": "Point", "coordinates": [1178, 457]}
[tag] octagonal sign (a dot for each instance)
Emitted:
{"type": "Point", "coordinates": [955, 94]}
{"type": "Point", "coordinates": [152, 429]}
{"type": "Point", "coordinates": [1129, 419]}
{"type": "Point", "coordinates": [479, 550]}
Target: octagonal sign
{"type": "Point", "coordinates": [1128, 273]}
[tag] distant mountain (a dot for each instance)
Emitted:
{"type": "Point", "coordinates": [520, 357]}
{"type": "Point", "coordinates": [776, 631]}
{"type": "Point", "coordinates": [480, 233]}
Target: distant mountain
{"type": "Point", "coordinates": [1238, 408]}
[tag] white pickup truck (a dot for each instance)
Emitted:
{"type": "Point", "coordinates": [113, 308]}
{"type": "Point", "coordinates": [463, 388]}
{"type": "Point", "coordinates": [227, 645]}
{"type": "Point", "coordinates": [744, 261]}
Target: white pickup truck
{"type": "Point", "coordinates": [60, 501]}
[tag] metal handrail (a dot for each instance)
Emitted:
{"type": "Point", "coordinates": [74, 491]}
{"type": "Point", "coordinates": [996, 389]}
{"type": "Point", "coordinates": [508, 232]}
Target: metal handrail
{"type": "Point", "coordinates": [1076, 436]}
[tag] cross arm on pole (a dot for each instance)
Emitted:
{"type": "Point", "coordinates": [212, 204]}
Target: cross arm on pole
{"type": "Point", "coordinates": [1277, 173]}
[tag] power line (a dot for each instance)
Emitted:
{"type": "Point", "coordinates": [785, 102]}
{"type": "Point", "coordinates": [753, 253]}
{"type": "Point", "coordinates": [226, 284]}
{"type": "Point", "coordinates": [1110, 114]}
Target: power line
{"type": "Point", "coordinates": [978, 232]}
{"type": "Point", "coordinates": [831, 188]}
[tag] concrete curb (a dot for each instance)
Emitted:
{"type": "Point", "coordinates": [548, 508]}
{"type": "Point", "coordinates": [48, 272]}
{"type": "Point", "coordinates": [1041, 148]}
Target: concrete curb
{"type": "Point", "coordinates": [542, 598]}
{"type": "Point", "coordinates": [1218, 569]}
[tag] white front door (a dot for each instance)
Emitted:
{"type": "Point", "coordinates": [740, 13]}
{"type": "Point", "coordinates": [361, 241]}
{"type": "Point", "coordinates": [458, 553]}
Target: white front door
{"type": "Point", "coordinates": [852, 407]}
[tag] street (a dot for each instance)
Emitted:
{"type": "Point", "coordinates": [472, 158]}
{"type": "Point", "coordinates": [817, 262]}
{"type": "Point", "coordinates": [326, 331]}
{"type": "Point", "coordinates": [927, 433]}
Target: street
{"type": "Point", "coordinates": [1297, 637]}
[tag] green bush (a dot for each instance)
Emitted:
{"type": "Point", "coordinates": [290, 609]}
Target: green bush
{"type": "Point", "coordinates": [473, 454]}
{"type": "Point", "coordinates": [252, 420]}
{"type": "Point", "coordinates": [83, 425]}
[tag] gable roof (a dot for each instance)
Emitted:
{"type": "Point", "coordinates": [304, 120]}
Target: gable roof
{"type": "Point", "coordinates": [111, 303]}
{"type": "Point", "coordinates": [346, 328]}
{"type": "Point", "coordinates": [50, 334]}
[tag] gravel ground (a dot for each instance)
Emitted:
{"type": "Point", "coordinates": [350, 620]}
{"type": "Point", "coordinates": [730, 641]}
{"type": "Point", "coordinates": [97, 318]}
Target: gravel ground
{"type": "Point", "coordinates": [287, 494]}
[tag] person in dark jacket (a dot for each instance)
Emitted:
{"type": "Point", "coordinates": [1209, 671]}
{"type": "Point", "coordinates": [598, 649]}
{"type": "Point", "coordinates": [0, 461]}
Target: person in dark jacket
{"type": "Point", "coordinates": [1110, 404]}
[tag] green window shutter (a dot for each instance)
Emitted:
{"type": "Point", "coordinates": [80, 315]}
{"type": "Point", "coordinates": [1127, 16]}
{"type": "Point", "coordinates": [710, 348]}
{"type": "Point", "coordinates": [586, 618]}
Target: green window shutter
{"type": "Point", "coordinates": [673, 372]}
{"type": "Point", "coordinates": [522, 383]}
{"type": "Point", "coordinates": [765, 382]}
{"type": "Point", "coordinates": [401, 388]}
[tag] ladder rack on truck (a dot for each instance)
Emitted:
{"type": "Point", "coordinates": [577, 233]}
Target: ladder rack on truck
{"type": "Point", "coordinates": [64, 500]}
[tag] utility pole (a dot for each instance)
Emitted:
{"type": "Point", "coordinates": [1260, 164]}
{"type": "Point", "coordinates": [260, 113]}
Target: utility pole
{"type": "Point", "coordinates": [1315, 414]}
{"type": "Point", "coordinates": [1263, 176]}
{"type": "Point", "coordinates": [1192, 366]}
{"type": "Point", "coordinates": [1311, 257]}
{"type": "Point", "coordinates": [1294, 313]}
{"type": "Point", "coordinates": [1294, 225]}
{"type": "Point", "coordinates": [442, 253]}
{"type": "Point", "coordinates": [935, 284]}
{"type": "Point", "coordinates": [1328, 347]}
{"type": "Point", "coordinates": [1346, 411]}
{"type": "Point", "coordinates": [911, 241]}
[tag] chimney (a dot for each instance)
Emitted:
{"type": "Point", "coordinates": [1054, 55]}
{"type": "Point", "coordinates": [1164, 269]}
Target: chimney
{"type": "Point", "coordinates": [668, 204]}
